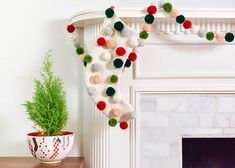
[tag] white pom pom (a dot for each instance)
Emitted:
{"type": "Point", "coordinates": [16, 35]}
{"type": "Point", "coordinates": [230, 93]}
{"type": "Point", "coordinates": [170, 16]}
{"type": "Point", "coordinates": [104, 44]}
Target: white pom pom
{"type": "Point", "coordinates": [195, 29]}
{"type": "Point", "coordinates": [106, 56]}
{"type": "Point", "coordinates": [125, 32]}
{"type": "Point", "coordinates": [201, 33]}
{"type": "Point", "coordinates": [116, 98]}
{"type": "Point", "coordinates": [97, 67]}
{"type": "Point", "coordinates": [76, 43]}
{"type": "Point", "coordinates": [108, 31]}
{"type": "Point", "coordinates": [160, 3]}
{"type": "Point", "coordinates": [133, 42]}
{"type": "Point", "coordinates": [91, 91]}
{"type": "Point", "coordinates": [140, 42]}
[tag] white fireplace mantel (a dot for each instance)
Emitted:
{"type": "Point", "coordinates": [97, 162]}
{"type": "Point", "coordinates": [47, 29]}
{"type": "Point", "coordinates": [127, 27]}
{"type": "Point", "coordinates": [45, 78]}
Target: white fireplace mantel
{"type": "Point", "coordinates": [183, 63]}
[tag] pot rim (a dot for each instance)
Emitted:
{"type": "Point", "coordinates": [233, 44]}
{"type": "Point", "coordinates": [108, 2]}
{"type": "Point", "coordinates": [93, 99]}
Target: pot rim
{"type": "Point", "coordinates": [35, 134]}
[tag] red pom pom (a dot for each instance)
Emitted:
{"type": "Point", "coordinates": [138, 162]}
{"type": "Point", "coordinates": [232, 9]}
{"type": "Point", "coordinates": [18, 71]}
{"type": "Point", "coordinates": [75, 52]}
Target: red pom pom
{"type": "Point", "coordinates": [132, 56]}
{"type": "Point", "coordinates": [101, 105]}
{"type": "Point", "coordinates": [70, 28]}
{"type": "Point", "coordinates": [120, 51]}
{"type": "Point", "coordinates": [123, 125]}
{"type": "Point", "coordinates": [152, 9]}
{"type": "Point", "coordinates": [101, 41]}
{"type": "Point", "coordinates": [187, 24]}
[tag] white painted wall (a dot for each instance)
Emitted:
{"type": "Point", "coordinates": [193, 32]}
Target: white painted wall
{"type": "Point", "coordinates": [28, 29]}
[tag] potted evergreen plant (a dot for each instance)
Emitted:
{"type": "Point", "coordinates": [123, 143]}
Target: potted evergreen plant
{"type": "Point", "coordinates": [48, 112]}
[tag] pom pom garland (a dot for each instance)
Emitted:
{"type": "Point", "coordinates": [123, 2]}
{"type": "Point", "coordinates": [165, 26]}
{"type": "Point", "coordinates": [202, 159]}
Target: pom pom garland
{"type": "Point", "coordinates": [101, 41]}
{"type": "Point", "coordinates": [87, 58]}
{"type": "Point", "coordinates": [112, 122]}
{"type": "Point", "coordinates": [146, 27]}
{"type": "Point", "coordinates": [144, 34]}
{"type": "Point", "coordinates": [70, 28]}
{"type": "Point", "coordinates": [132, 56]}
{"type": "Point", "coordinates": [80, 50]}
{"type": "Point", "coordinates": [149, 19]}
{"type": "Point", "coordinates": [123, 125]}
{"type": "Point", "coordinates": [229, 37]}
{"type": "Point", "coordinates": [133, 43]}
{"type": "Point", "coordinates": [152, 9]}
{"type": "Point", "coordinates": [97, 67]}
{"type": "Point", "coordinates": [114, 79]}
{"type": "Point", "coordinates": [118, 26]}
{"type": "Point", "coordinates": [110, 91]}
{"type": "Point", "coordinates": [167, 7]}
{"type": "Point", "coordinates": [91, 91]}
{"type": "Point", "coordinates": [220, 37]}
{"type": "Point", "coordinates": [174, 13]}
{"type": "Point", "coordinates": [120, 51]}
{"type": "Point", "coordinates": [187, 24]}
{"type": "Point", "coordinates": [110, 43]}
{"type": "Point", "coordinates": [201, 33]}
{"type": "Point", "coordinates": [118, 63]}
{"type": "Point", "coordinates": [210, 36]}
{"type": "Point", "coordinates": [180, 19]}
{"type": "Point", "coordinates": [194, 29]}
{"type": "Point", "coordinates": [101, 105]}
{"type": "Point", "coordinates": [127, 63]}
{"type": "Point", "coordinates": [109, 12]}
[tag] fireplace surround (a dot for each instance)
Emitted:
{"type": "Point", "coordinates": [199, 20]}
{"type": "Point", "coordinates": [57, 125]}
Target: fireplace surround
{"type": "Point", "coordinates": [188, 83]}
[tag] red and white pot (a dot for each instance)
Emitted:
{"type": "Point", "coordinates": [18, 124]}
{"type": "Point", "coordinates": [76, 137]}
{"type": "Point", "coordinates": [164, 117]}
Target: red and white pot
{"type": "Point", "coordinates": [50, 149]}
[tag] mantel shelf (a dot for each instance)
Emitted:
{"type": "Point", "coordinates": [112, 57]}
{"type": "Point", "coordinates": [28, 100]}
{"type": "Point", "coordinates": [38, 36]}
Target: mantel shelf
{"type": "Point", "coordinates": [212, 13]}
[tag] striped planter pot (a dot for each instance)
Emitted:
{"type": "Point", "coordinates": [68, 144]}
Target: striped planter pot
{"type": "Point", "coordinates": [50, 149]}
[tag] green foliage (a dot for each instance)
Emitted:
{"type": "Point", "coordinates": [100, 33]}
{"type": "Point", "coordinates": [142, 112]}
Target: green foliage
{"type": "Point", "coordinates": [48, 109]}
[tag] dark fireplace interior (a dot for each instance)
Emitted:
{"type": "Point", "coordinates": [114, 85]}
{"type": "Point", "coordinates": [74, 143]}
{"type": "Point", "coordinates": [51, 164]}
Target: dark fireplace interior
{"type": "Point", "coordinates": [208, 152]}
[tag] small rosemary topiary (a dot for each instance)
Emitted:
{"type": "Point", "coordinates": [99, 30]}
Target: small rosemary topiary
{"type": "Point", "coordinates": [48, 109]}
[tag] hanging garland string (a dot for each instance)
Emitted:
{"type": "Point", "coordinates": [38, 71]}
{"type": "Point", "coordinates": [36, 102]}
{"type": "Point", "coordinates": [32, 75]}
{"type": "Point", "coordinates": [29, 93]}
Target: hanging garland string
{"type": "Point", "coordinates": [132, 56]}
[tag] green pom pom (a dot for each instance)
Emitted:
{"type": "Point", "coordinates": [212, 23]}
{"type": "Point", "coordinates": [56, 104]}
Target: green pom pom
{"type": "Point", "coordinates": [144, 34]}
{"type": "Point", "coordinates": [109, 12]}
{"type": "Point", "coordinates": [167, 7]}
{"type": "Point", "coordinates": [118, 63]}
{"type": "Point", "coordinates": [110, 91]}
{"type": "Point", "coordinates": [113, 78]}
{"type": "Point", "coordinates": [180, 19]}
{"type": "Point", "coordinates": [80, 50]}
{"type": "Point", "coordinates": [112, 122]}
{"type": "Point", "coordinates": [229, 37]}
{"type": "Point", "coordinates": [210, 36]}
{"type": "Point", "coordinates": [149, 19]}
{"type": "Point", "coordinates": [87, 58]}
{"type": "Point", "coordinates": [118, 26]}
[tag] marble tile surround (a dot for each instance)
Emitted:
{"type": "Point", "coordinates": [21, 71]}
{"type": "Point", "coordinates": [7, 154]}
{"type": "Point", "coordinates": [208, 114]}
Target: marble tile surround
{"type": "Point", "coordinates": [166, 118]}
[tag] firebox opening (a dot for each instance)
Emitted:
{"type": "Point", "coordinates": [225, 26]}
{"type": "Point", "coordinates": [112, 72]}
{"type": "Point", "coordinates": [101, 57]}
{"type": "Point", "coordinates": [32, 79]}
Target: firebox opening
{"type": "Point", "coordinates": [208, 152]}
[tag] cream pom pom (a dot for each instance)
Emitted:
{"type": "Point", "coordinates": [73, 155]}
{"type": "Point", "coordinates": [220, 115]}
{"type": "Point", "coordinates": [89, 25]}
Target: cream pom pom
{"type": "Point", "coordinates": [116, 98]}
{"type": "Point", "coordinates": [174, 13]}
{"type": "Point", "coordinates": [106, 56]}
{"type": "Point", "coordinates": [220, 37]}
{"type": "Point", "coordinates": [146, 27]}
{"type": "Point", "coordinates": [110, 43]}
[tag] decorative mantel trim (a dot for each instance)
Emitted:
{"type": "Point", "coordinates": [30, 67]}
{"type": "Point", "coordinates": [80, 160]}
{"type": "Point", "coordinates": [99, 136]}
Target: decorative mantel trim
{"type": "Point", "coordinates": [90, 16]}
